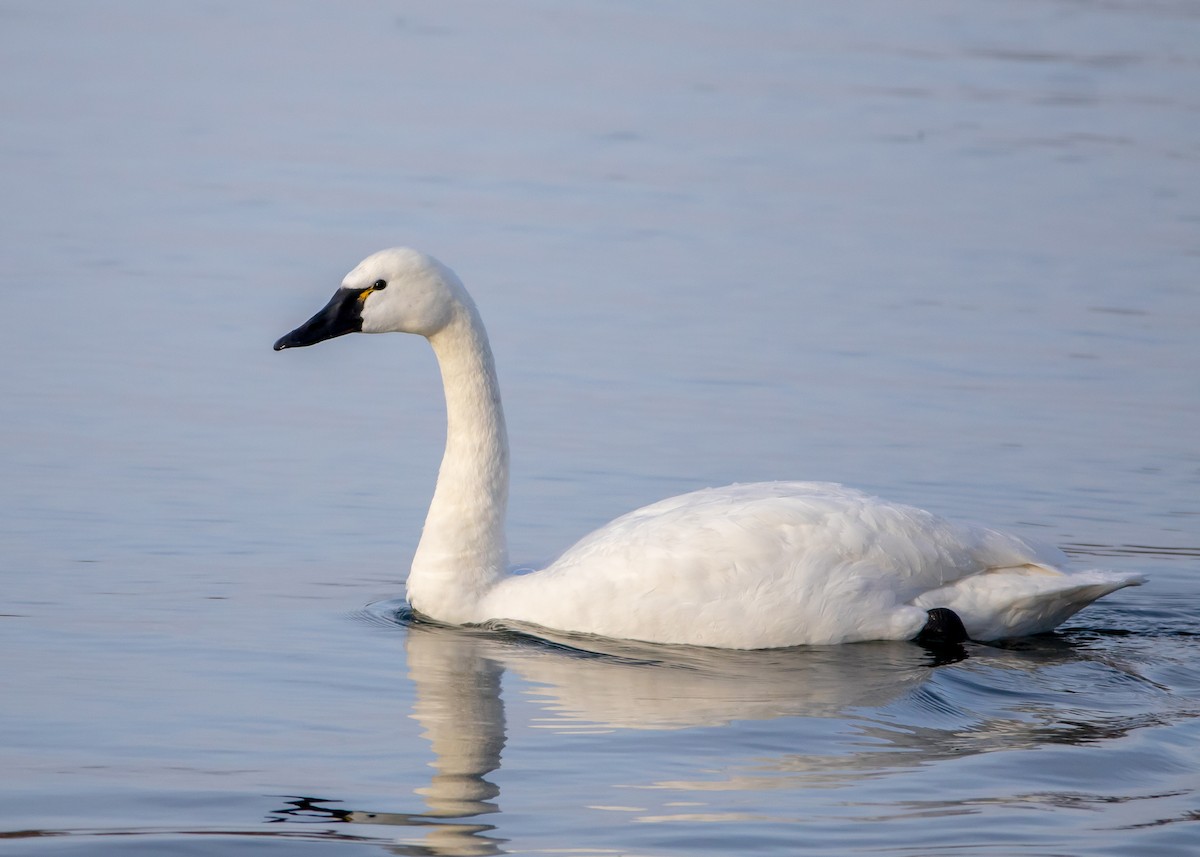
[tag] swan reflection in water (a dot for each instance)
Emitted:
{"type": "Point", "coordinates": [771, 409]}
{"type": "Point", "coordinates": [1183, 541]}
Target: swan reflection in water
{"type": "Point", "coordinates": [900, 719]}
{"type": "Point", "coordinates": [611, 685]}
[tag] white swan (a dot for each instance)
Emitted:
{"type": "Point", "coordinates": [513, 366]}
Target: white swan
{"type": "Point", "coordinates": [743, 567]}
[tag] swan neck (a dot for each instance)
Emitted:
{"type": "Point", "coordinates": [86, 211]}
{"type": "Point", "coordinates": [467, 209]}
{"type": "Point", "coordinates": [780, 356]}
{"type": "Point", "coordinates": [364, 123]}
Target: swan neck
{"type": "Point", "coordinates": [462, 551]}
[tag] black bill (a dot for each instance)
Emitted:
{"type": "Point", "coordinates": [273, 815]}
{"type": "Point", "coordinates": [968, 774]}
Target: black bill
{"type": "Point", "coordinates": [342, 315]}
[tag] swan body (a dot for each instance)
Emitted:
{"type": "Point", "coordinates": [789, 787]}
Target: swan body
{"type": "Point", "coordinates": [751, 566]}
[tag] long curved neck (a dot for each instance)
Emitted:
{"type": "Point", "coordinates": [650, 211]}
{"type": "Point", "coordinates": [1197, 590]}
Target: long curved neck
{"type": "Point", "coordinates": [463, 549]}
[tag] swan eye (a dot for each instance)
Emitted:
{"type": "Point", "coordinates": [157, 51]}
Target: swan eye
{"type": "Point", "coordinates": [377, 286]}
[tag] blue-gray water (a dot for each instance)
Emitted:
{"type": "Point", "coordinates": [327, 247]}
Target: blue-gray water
{"type": "Point", "coordinates": [947, 252]}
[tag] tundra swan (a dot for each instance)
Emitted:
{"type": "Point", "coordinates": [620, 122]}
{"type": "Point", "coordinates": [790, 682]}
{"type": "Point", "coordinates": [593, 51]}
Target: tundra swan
{"type": "Point", "coordinates": [749, 566]}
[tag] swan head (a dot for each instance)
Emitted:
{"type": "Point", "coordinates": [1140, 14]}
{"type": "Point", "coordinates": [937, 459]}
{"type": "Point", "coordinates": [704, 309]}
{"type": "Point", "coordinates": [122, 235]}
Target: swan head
{"type": "Point", "coordinates": [398, 290]}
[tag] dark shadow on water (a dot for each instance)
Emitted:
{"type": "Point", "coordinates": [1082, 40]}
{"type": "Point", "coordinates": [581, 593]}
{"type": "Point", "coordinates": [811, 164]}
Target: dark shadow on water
{"type": "Point", "coordinates": [944, 654]}
{"type": "Point", "coordinates": [443, 836]}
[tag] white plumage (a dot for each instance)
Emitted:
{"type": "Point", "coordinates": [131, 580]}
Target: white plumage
{"type": "Point", "coordinates": [746, 566]}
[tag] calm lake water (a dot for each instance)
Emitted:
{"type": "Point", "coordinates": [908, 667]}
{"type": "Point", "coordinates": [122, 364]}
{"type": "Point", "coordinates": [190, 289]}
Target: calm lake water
{"type": "Point", "coordinates": [949, 253]}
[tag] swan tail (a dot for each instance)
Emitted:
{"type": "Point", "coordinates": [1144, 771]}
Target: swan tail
{"type": "Point", "coordinates": [1023, 600]}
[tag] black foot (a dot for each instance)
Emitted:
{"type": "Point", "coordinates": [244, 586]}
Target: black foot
{"type": "Point", "coordinates": [943, 628]}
